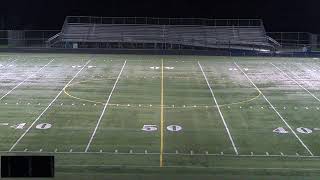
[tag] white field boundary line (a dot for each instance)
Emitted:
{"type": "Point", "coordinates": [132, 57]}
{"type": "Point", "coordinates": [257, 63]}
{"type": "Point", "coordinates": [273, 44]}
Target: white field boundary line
{"type": "Point", "coordinates": [105, 107]}
{"type": "Point", "coordinates": [171, 154]}
{"type": "Point", "coordinates": [26, 80]}
{"type": "Point", "coordinates": [157, 153]}
{"type": "Point", "coordinates": [295, 81]}
{"type": "Point", "coordinates": [45, 110]}
{"type": "Point", "coordinates": [189, 167]}
{"type": "Point", "coordinates": [220, 113]}
{"type": "Point", "coordinates": [285, 122]}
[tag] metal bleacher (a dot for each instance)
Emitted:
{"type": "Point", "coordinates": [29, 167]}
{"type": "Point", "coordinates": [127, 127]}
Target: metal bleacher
{"type": "Point", "coordinates": [152, 32]}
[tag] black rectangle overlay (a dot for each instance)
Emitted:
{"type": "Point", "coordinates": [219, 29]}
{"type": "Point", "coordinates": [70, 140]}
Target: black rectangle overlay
{"type": "Point", "coordinates": [27, 166]}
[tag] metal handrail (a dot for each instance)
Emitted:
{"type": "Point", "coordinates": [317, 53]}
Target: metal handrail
{"type": "Point", "coordinates": [163, 21]}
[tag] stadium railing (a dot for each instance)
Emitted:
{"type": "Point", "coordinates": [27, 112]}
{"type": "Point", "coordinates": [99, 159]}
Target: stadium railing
{"type": "Point", "coordinates": [25, 38]}
{"type": "Point", "coordinates": [164, 21]}
{"type": "Point", "coordinates": [296, 40]}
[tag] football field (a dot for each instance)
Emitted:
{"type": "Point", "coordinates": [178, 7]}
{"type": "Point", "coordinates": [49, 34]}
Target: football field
{"type": "Point", "coordinates": [139, 115]}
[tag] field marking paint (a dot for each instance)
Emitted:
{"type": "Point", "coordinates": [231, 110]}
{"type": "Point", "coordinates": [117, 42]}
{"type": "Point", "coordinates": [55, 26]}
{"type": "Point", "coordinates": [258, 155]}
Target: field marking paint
{"type": "Point", "coordinates": [161, 118]}
{"type": "Point", "coordinates": [45, 110]}
{"type": "Point", "coordinates": [285, 122]}
{"type": "Point", "coordinates": [295, 82]}
{"type": "Point", "coordinates": [221, 115]}
{"type": "Point", "coordinates": [192, 167]}
{"type": "Point", "coordinates": [105, 107]}
{"type": "Point", "coordinates": [25, 80]}
{"type": "Point", "coordinates": [102, 103]}
{"type": "Point", "coordinates": [176, 153]}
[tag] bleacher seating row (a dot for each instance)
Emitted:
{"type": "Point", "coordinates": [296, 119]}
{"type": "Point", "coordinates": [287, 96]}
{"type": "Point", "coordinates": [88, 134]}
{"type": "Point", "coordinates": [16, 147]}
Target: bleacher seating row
{"type": "Point", "coordinates": [190, 35]}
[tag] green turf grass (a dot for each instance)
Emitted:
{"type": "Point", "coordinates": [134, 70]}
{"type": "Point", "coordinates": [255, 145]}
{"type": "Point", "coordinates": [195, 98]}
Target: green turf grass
{"type": "Point", "coordinates": [202, 149]}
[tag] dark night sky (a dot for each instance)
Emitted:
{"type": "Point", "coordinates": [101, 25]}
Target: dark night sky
{"type": "Point", "coordinates": [278, 15]}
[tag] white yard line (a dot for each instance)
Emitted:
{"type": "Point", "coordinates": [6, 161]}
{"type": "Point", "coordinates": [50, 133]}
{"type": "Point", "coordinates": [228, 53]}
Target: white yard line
{"type": "Point", "coordinates": [191, 167]}
{"type": "Point", "coordinates": [303, 80]}
{"type": "Point", "coordinates": [295, 82]}
{"type": "Point", "coordinates": [285, 122]}
{"type": "Point", "coordinates": [14, 145]}
{"type": "Point", "coordinates": [25, 80]}
{"type": "Point", "coordinates": [104, 108]}
{"type": "Point", "coordinates": [218, 107]}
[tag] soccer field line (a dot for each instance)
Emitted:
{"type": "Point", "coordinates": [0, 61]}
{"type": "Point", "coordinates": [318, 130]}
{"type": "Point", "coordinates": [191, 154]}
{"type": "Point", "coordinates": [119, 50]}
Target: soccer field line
{"type": "Point", "coordinates": [161, 118]}
{"type": "Point", "coordinates": [25, 80]}
{"type": "Point", "coordinates": [285, 122]}
{"type": "Point", "coordinates": [165, 153]}
{"type": "Point", "coordinates": [151, 107]}
{"type": "Point", "coordinates": [305, 80]}
{"type": "Point", "coordinates": [164, 106]}
{"type": "Point", "coordinates": [295, 82]}
{"type": "Point", "coordinates": [220, 113]}
{"type": "Point", "coordinates": [105, 107]}
{"type": "Point", "coordinates": [189, 167]}
{"type": "Point", "coordinates": [45, 110]}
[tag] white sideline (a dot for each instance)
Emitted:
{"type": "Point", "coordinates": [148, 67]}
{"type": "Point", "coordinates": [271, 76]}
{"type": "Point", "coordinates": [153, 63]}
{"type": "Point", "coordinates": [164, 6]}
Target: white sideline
{"type": "Point", "coordinates": [13, 146]}
{"type": "Point", "coordinates": [317, 158]}
{"type": "Point", "coordinates": [217, 105]}
{"type": "Point", "coordinates": [295, 82]}
{"type": "Point", "coordinates": [104, 108]}
{"type": "Point", "coordinates": [191, 167]}
{"type": "Point", "coordinates": [295, 134]}
{"type": "Point", "coordinates": [25, 80]}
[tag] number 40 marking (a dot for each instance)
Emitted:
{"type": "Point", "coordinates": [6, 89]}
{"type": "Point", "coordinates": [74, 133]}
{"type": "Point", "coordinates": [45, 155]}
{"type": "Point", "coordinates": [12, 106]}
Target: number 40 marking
{"type": "Point", "coordinates": [302, 130]}
{"type": "Point", "coordinates": [39, 126]}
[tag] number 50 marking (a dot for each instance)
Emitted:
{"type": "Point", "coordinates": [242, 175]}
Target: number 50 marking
{"type": "Point", "coordinates": [302, 130]}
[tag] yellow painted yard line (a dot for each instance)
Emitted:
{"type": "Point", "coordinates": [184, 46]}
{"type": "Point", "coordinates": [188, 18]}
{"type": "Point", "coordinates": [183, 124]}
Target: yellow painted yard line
{"type": "Point", "coordinates": [161, 118]}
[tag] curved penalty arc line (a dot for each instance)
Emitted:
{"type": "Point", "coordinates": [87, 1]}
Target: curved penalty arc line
{"type": "Point", "coordinates": [167, 107]}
